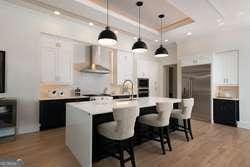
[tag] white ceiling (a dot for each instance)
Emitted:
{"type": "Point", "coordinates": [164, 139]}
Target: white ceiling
{"type": "Point", "coordinates": [123, 17]}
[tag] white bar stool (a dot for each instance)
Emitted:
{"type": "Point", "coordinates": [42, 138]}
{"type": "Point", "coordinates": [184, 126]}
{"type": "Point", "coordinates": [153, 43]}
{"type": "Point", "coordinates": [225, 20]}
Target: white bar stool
{"type": "Point", "coordinates": [184, 114]}
{"type": "Point", "coordinates": [121, 130]}
{"type": "Point", "coordinates": [160, 121]}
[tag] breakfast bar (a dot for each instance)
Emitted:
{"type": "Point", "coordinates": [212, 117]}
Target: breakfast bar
{"type": "Point", "coordinates": [82, 118]}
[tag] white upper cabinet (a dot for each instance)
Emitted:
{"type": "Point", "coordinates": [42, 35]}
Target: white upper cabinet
{"type": "Point", "coordinates": [124, 66]}
{"type": "Point", "coordinates": [151, 70]}
{"type": "Point", "coordinates": [143, 69]}
{"type": "Point", "coordinates": [225, 68]}
{"type": "Point", "coordinates": [195, 60]}
{"type": "Point", "coordinates": [56, 60]}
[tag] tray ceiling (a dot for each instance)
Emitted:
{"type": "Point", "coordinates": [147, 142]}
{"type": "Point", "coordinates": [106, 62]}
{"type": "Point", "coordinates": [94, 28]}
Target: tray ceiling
{"type": "Point", "coordinates": [149, 13]}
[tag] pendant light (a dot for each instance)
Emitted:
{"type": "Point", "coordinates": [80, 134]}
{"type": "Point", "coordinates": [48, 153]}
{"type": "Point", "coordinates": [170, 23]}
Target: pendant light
{"type": "Point", "coordinates": [161, 51]}
{"type": "Point", "coordinates": [107, 37]}
{"type": "Point", "coordinates": [139, 46]}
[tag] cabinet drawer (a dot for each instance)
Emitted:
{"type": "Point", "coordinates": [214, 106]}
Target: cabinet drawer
{"type": "Point", "coordinates": [226, 112]}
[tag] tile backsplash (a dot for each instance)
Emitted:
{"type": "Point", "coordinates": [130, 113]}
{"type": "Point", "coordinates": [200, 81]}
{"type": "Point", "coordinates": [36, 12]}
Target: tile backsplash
{"type": "Point", "coordinates": [45, 89]}
{"type": "Point", "coordinates": [227, 91]}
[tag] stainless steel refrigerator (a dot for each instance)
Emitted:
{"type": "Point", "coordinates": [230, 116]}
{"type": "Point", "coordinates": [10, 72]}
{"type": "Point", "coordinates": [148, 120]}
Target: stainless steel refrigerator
{"type": "Point", "coordinates": [196, 83]}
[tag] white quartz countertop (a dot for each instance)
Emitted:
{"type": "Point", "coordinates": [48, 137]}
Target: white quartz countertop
{"type": "Point", "coordinates": [93, 107]}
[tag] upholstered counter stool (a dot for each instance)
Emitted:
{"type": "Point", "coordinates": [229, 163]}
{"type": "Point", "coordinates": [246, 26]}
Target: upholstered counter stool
{"type": "Point", "coordinates": [161, 122]}
{"type": "Point", "coordinates": [121, 131]}
{"type": "Point", "coordinates": [184, 114]}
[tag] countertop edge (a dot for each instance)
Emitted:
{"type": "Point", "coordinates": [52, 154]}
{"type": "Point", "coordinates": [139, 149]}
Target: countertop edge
{"type": "Point", "coordinates": [63, 98]}
{"type": "Point", "coordinates": [224, 98]}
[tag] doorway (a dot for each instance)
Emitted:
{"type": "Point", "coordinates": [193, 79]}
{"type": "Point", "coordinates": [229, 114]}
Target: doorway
{"type": "Point", "coordinates": [170, 81]}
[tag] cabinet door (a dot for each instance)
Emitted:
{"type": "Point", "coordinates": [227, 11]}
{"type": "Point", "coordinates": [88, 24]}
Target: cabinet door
{"type": "Point", "coordinates": [140, 71]}
{"type": "Point", "coordinates": [226, 112]}
{"type": "Point", "coordinates": [64, 72]}
{"type": "Point", "coordinates": [226, 68]}
{"type": "Point", "coordinates": [143, 69]}
{"type": "Point", "coordinates": [52, 114]}
{"type": "Point", "coordinates": [48, 64]}
{"type": "Point", "coordinates": [232, 68]}
{"type": "Point", "coordinates": [124, 66]}
{"type": "Point", "coordinates": [129, 66]}
{"type": "Point", "coordinates": [219, 69]}
{"type": "Point", "coordinates": [48, 58]}
{"type": "Point", "coordinates": [56, 60]}
{"type": "Point", "coordinates": [154, 79]}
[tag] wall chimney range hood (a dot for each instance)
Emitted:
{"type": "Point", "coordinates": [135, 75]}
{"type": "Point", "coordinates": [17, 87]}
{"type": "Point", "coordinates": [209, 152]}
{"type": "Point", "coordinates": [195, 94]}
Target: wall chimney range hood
{"type": "Point", "coordinates": [94, 67]}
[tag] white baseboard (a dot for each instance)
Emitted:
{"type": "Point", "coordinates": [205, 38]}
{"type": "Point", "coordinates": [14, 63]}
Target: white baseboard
{"type": "Point", "coordinates": [243, 124]}
{"type": "Point", "coordinates": [30, 129]}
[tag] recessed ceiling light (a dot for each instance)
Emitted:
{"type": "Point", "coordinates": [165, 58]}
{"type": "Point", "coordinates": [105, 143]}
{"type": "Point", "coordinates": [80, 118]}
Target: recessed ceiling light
{"type": "Point", "coordinates": [135, 38]}
{"type": "Point", "coordinates": [116, 31]}
{"type": "Point", "coordinates": [91, 24]}
{"type": "Point", "coordinates": [156, 40]}
{"type": "Point", "coordinates": [57, 12]}
{"type": "Point", "coordinates": [219, 20]}
{"type": "Point", "coordinates": [241, 13]}
{"type": "Point", "coordinates": [221, 24]}
{"type": "Point", "coordinates": [166, 40]}
{"type": "Point", "coordinates": [189, 33]}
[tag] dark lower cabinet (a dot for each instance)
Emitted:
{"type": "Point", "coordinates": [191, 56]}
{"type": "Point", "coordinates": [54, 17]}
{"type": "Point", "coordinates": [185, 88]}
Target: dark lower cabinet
{"type": "Point", "coordinates": [52, 113]}
{"type": "Point", "coordinates": [226, 112]}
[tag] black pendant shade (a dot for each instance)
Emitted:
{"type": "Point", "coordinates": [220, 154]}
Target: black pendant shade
{"type": "Point", "coordinates": [161, 51]}
{"type": "Point", "coordinates": [107, 37]}
{"type": "Point", "coordinates": [139, 46]}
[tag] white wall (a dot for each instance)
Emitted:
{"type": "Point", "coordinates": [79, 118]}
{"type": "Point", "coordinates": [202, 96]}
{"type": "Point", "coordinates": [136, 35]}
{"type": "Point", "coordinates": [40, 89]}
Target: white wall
{"type": "Point", "coordinates": [19, 36]}
{"type": "Point", "coordinates": [227, 40]}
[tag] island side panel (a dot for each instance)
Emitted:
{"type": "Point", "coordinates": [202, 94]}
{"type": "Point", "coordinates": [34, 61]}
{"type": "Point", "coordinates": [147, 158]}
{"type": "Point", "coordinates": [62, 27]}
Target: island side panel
{"type": "Point", "coordinates": [79, 134]}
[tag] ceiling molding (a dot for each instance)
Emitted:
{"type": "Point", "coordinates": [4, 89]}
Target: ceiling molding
{"type": "Point", "coordinates": [115, 15]}
{"type": "Point", "coordinates": [177, 24]}
{"type": "Point", "coordinates": [216, 9]}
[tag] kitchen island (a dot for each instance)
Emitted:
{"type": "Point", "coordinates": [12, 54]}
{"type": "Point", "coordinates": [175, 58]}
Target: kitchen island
{"type": "Point", "coordinates": [82, 119]}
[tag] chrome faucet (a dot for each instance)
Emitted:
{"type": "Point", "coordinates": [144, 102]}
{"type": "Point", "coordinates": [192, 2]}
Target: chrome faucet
{"type": "Point", "coordinates": [132, 91]}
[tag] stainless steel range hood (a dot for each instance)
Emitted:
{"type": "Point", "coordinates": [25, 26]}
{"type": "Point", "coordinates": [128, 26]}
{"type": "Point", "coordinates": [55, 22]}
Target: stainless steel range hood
{"type": "Point", "coordinates": [94, 67]}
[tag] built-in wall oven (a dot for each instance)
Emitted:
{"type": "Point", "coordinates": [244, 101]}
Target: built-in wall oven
{"type": "Point", "coordinates": [143, 87]}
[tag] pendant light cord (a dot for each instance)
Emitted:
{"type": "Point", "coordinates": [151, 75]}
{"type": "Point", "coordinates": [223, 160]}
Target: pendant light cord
{"type": "Point", "coordinates": [161, 31]}
{"type": "Point", "coordinates": [139, 22]}
{"type": "Point", "coordinates": [107, 12]}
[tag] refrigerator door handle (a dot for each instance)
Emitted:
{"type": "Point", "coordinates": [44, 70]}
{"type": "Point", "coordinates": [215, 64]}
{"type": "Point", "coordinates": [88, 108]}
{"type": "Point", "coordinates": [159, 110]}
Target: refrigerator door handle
{"type": "Point", "coordinates": [189, 88]}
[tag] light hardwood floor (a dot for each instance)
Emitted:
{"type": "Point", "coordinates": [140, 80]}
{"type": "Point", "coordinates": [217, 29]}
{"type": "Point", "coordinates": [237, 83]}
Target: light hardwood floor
{"type": "Point", "coordinates": [213, 146]}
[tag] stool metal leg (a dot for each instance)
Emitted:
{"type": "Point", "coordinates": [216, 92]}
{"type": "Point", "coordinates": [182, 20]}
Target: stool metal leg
{"type": "Point", "coordinates": [162, 140]}
{"type": "Point", "coordinates": [168, 139]}
{"type": "Point", "coordinates": [132, 155]}
{"type": "Point", "coordinates": [185, 129]}
{"type": "Point", "coordinates": [190, 128]}
{"type": "Point", "coordinates": [121, 151]}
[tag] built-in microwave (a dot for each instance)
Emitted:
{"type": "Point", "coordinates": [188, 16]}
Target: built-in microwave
{"type": "Point", "coordinates": [143, 82]}
{"type": "Point", "coordinates": [143, 87]}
